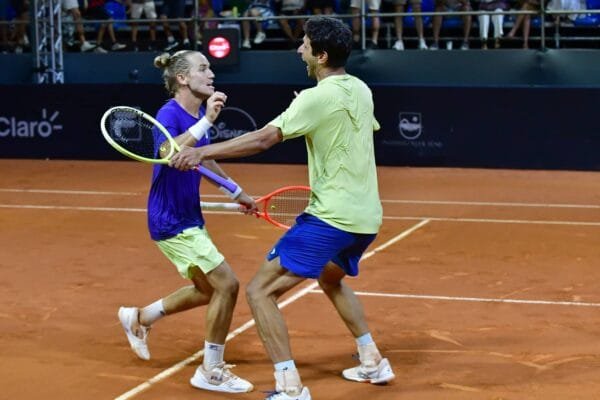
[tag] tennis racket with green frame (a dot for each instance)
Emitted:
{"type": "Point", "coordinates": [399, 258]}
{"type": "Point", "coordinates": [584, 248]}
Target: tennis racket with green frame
{"type": "Point", "coordinates": [131, 132]}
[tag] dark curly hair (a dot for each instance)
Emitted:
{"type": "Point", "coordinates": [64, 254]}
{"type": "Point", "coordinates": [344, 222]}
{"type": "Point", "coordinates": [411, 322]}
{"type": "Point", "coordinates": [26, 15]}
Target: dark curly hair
{"type": "Point", "coordinates": [330, 35]}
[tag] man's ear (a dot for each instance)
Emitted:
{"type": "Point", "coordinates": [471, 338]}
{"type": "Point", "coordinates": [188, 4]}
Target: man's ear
{"type": "Point", "coordinates": [322, 58]}
{"type": "Point", "coordinates": [181, 79]}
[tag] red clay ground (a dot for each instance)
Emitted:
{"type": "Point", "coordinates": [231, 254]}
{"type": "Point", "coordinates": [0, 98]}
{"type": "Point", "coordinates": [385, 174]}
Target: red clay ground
{"type": "Point", "coordinates": [70, 256]}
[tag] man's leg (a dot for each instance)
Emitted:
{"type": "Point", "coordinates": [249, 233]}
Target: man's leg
{"type": "Point", "coordinates": [344, 300]}
{"type": "Point", "coordinates": [375, 24]}
{"type": "Point", "coordinates": [137, 321]}
{"type": "Point", "coordinates": [262, 293]}
{"type": "Point", "coordinates": [373, 368]}
{"type": "Point", "coordinates": [437, 25]}
{"type": "Point", "coordinates": [219, 312]}
{"type": "Point", "coordinates": [399, 25]}
{"type": "Point", "coordinates": [419, 26]}
{"type": "Point", "coordinates": [355, 25]}
{"type": "Point", "coordinates": [214, 374]}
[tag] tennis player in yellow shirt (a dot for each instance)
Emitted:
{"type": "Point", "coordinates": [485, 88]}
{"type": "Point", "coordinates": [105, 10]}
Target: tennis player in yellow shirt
{"type": "Point", "coordinates": [344, 213]}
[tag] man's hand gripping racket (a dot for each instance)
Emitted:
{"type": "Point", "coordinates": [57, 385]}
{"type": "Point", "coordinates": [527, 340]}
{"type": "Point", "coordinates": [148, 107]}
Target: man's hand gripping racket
{"type": "Point", "coordinates": [280, 207]}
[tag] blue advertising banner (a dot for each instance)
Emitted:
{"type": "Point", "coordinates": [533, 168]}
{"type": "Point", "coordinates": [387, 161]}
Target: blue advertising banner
{"type": "Point", "coordinates": [529, 128]}
{"type": "Point", "coordinates": [537, 128]}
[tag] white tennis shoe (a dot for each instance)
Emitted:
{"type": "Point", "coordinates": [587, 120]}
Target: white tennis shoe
{"type": "Point", "coordinates": [136, 337]}
{"type": "Point", "coordinates": [304, 395]}
{"type": "Point", "coordinates": [378, 375]}
{"type": "Point", "coordinates": [220, 379]}
{"type": "Point", "coordinates": [260, 37]}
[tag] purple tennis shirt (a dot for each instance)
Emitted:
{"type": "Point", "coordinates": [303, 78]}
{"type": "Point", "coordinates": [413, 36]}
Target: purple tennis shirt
{"type": "Point", "coordinates": [174, 198]}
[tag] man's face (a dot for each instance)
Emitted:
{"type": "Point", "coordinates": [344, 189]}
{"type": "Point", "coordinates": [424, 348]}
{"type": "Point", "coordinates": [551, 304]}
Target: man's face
{"type": "Point", "coordinates": [200, 77]}
{"type": "Point", "coordinates": [305, 50]}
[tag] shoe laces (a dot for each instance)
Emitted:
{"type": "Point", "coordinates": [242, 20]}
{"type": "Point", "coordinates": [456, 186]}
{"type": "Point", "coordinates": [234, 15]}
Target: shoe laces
{"type": "Point", "coordinates": [273, 394]}
{"type": "Point", "coordinates": [142, 331]}
{"type": "Point", "coordinates": [270, 394]}
{"type": "Point", "coordinates": [363, 369]}
{"type": "Point", "coordinates": [224, 371]}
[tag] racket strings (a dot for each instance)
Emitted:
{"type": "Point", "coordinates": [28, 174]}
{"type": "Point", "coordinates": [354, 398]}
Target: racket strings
{"type": "Point", "coordinates": [133, 132]}
{"type": "Point", "coordinates": [284, 207]}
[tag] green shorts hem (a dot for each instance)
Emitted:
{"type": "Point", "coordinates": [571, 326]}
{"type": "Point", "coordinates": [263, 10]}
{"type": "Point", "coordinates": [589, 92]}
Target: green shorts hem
{"type": "Point", "coordinates": [192, 247]}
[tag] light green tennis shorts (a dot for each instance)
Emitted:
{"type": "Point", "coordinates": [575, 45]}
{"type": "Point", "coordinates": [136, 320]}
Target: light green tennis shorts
{"type": "Point", "coordinates": [192, 247]}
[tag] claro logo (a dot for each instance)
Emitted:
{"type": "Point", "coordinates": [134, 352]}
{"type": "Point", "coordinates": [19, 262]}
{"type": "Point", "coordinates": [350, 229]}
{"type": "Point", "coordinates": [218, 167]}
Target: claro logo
{"type": "Point", "coordinates": [20, 128]}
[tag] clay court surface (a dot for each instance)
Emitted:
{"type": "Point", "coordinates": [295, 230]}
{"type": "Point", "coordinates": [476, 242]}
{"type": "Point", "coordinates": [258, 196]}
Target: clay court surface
{"type": "Point", "coordinates": [483, 284]}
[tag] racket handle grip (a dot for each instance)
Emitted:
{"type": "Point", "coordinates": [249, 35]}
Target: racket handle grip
{"type": "Point", "coordinates": [220, 206]}
{"type": "Point", "coordinates": [232, 187]}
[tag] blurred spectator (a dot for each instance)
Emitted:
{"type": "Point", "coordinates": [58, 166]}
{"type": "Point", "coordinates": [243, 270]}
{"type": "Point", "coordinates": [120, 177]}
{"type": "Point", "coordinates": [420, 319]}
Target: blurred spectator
{"type": "Point", "coordinates": [72, 7]}
{"type": "Point", "coordinates": [205, 10]}
{"type": "Point", "coordinates": [96, 11]}
{"type": "Point", "coordinates": [373, 8]}
{"type": "Point", "coordinates": [174, 9]}
{"type": "Point", "coordinates": [525, 20]}
{"type": "Point", "coordinates": [399, 6]}
{"type": "Point", "coordinates": [292, 7]}
{"type": "Point", "coordinates": [497, 21]}
{"type": "Point", "coordinates": [258, 8]}
{"type": "Point", "coordinates": [451, 5]}
{"type": "Point", "coordinates": [569, 5]}
{"type": "Point", "coordinates": [320, 6]}
{"type": "Point", "coordinates": [148, 8]}
{"type": "Point", "coordinates": [19, 35]}
{"type": "Point", "coordinates": [3, 26]}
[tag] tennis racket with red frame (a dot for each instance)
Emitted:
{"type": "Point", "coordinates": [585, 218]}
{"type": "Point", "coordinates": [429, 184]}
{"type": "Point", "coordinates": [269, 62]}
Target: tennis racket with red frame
{"type": "Point", "coordinates": [280, 207]}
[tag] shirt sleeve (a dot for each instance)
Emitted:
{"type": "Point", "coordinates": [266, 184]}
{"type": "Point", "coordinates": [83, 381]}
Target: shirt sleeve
{"type": "Point", "coordinates": [376, 125]}
{"type": "Point", "coordinates": [168, 119]}
{"type": "Point", "coordinates": [301, 117]}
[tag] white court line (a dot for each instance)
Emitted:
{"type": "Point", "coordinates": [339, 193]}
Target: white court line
{"type": "Point", "coordinates": [493, 203]}
{"type": "Point", "coordinates": [110, 209]}
{"type": "Point", "coordinates": [447, 219]}
{"type": "Point", "coordinates": [74, 208]}
{"type": "Point", "coordinates": [88, 192]}
{"type": "Point", "coordinates": [474, 299]}
{"type": "Point", "coordinates": [56, 191]}
{"type": "Point", "coordinates": [498, 221]}
{"type": "Point", "coordinates": [307, 289]}
{"type": "Point", "coordinates": [431, 202]}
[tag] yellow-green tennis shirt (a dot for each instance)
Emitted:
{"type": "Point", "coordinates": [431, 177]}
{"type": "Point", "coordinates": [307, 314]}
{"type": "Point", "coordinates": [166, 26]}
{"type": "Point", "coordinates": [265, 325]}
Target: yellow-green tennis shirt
{"type": "Point", "coordinates": [336, 118]}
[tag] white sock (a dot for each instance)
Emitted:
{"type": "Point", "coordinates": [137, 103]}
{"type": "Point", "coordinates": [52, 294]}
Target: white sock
{"type": "Point", "coordinates": [288, 381]}
{"type": "Point", "coordinates": [170, 39]}
{"type": "Point", "coordinates": [369, 355]}
{"type": "Point", "coordinates": [213, 355]}
{"type": "Point", "coordinates": [153, 312]}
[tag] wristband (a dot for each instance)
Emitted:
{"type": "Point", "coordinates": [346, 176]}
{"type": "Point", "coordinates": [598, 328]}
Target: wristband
{"type": "Point", "coordinates": [232, 195]}
{"type": "Point", "coordinates": [200, 128]}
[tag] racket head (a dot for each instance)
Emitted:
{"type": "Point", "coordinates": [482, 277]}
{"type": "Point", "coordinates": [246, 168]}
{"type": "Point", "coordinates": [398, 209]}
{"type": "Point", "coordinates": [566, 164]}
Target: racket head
{"type": "Point", "coordinates": [282, 206]}
{"type": "Point", "coordinates": [135, 134]}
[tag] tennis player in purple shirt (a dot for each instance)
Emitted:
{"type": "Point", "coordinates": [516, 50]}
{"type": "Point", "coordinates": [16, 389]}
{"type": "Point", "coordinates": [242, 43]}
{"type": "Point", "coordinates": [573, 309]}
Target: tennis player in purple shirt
{"type": "Point", "coordinates": [176, 225]}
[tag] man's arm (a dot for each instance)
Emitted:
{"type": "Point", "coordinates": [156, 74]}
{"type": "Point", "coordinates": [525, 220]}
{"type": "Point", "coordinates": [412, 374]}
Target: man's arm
{"type": "Point", "coordinates": [246, 145]}
{"type": "Point", "coordinates": [243, 198]}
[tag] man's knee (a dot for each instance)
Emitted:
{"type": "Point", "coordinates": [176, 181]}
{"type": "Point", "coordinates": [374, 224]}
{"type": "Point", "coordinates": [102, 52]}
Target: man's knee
{"type": "Point", "coordinates": [230, 284]}
{"type": "Point", "coordinates": [223, 280]}
{"type": "Point", "coordinates": [329, 286]}
{"type": "Point", "coordinates": [254, 293]}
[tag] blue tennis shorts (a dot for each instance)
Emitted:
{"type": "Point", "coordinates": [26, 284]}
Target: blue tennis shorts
{"type": "Point", "coordinates": [310, 244]}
